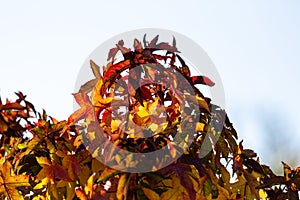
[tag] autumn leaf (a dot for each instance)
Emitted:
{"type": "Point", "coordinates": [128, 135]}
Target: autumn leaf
{"type": "Point", "coordinates": [106, 174]}
{"type": "Point", "coordinates": [86, 109]}
{"type": "Point", "coordinates": [91, 191]}
{"type": "Point", "coordinates": [153, 42]}
{"type": "Point", "coordinates": [202, 80]}
{"type": "Point", "coordinates": [96, 69]}
{"type": "Point", "coordinates": [88, 86]}
{"type": "Point", "coordinates": [150, 194]}
{"type": "Point", "coordinates": [10, 182]}
{"type": "Point", "coordinates": [50, 172]}
{"type": "Point", "coordinates": [137, 45]}
{"type": "Point", "coordinates": [70, 187]}
{"type": "Point", "coordinates": [122, 190]}
{"type": "Point", "coordinates": [72, 165]}
{"type": "Point", "coordinates": [112, 52]}
{"type": "Point", "coordinates": [112, 71]}
{"type": "Point", "coordinates": [181, 170]}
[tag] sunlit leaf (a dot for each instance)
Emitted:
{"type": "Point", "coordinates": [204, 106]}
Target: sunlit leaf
{"type": "Point", "coordinates": [10, 182]}
{"type": "Point", "coordinates": [150, 194]}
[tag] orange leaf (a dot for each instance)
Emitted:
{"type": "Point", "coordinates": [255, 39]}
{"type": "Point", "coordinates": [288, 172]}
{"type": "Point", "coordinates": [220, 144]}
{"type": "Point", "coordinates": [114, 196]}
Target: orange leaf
{"type": "Point", "coordinates": [86, 110]}
{"type": "Point", "coordinates": [80, 194]}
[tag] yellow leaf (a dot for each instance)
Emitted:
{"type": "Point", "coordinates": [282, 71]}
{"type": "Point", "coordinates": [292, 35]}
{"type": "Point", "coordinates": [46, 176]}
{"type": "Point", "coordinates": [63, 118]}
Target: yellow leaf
{"type": "Point", "coordinates": [115, 125]}
{"type": "Point", "coordinates": [9, 182]}
{"type": "Point", "coordinates": [223, 193]}
{"type": "Point", "coordinates": [177, 191]}
{"type": "Point", "coordinates": [199, 127]}
{"type": "Point", "coordinates": [89, 186]}
{"type": "Point", "coordinates": [97, 98]}
{"type": "Point", "coordinates": [121, 190]}
{"type": "Point", "coordinates": [41, 184]}
{"type": "Point", "coordinates": [39, 197]}
{"type": "Point", "coordinates": [43, 161]}
{"type": "Point", "coordinates": [262, 194]}
{"type": "Point", "coordinates": [150, 194]}
{"type": "Point", "coordinates": [70, 186]}
{"type": "Point", "coordinates": [106, 174]}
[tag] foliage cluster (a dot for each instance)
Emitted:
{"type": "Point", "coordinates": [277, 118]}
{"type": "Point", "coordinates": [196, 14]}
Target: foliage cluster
{"type": "Point", "coordinates": [43, 158]}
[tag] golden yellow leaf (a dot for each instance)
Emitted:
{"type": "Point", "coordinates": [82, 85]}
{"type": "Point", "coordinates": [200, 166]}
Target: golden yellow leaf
{"type": "Point", "coordinates": [150, 194]}
{"type": "Point", "coordinates": [121, 191]}
{"type": "Point", "coordinates": [89, 186]}
{"type": "Point", "coordinates": [9, 181]}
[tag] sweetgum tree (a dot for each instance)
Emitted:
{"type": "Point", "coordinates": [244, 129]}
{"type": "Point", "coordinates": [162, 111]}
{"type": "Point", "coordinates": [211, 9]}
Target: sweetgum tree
{"type": "Point", "coordinates": [42, 158]}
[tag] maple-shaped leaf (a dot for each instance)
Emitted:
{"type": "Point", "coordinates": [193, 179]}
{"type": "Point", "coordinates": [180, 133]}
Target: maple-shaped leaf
{"type": "Point", "coordinates": [91, 191]}
{"type": "Point", "coordinates": [10, 182]}
{"type": "Point", "coordinates": [72, 165]}
{"type": "Point", "coordinates": [176, 190]}
{"type": "Point", "coordinates": [86, 109]}
{"type": "Point", "coordinates": [50, 172]}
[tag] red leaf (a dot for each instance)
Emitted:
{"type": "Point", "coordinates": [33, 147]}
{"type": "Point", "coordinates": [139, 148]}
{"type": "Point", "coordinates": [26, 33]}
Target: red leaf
{"type": "Point", "coordinates": [14, 105]}
{"type": "Point", "coordinates": [185, 180]}
{"type": "Point", "coordinates": [202, 80]}
{"type": "Point", "coordinates": [112, 52]}
{"type": "Point", "coordinates": [146, 93]}
{"type": "Point", "coordinates": [153, 42]}
{"type": "Point", "coordinates": [115, 69]}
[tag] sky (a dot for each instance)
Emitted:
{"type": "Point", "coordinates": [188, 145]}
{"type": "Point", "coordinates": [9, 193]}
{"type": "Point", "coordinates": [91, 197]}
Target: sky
{"type": "Point", "coordinates": [254, 45]}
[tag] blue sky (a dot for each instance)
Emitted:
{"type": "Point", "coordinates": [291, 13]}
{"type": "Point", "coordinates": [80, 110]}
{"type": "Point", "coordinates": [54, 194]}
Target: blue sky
{"type": "Point", "coordinates": [255, 46]}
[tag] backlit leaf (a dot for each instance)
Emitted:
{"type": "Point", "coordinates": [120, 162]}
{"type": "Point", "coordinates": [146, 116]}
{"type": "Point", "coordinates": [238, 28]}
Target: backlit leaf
{"type": "Point", "coordinates": [10, 182]}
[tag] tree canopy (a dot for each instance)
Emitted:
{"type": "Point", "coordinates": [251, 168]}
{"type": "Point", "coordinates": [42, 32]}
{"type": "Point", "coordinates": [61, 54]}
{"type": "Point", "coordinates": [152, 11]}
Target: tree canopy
{"type": "Point", "coordinates": [43, 158]}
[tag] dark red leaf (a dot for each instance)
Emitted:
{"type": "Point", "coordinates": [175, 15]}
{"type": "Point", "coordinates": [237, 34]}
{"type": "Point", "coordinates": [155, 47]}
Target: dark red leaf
{"type": "Point", "coordinates": [202, 80]}
{"type": "Point", "coordinates": [185, 180]}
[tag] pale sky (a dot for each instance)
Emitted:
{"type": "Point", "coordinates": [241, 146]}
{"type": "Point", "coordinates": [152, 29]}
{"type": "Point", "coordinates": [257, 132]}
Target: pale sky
{"type": "Point", "coordinates": [255, 46]}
